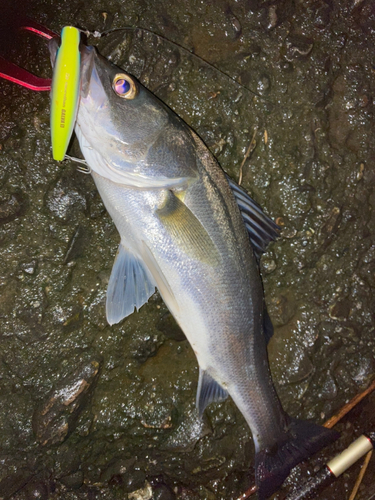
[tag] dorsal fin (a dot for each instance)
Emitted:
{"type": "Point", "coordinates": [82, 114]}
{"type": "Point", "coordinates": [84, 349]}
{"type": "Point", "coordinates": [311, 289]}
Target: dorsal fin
{"type": "Point", "coordinates": [267, 325]}
{"type": "Point", "coordinates": [261, 229]}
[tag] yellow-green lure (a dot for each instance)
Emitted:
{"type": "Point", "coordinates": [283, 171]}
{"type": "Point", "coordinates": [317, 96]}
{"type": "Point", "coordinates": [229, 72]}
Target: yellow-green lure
{"type": "Point", "coordinates": [65, 91]}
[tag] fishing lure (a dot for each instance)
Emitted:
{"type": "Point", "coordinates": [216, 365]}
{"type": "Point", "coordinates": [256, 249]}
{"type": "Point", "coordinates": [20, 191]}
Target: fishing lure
{"type": "Point", "coordinates": [65, 91]}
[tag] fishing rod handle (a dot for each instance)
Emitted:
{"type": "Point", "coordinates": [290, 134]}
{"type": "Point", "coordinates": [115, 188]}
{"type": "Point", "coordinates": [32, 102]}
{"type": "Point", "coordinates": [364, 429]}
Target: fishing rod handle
{"type": "Point", "coordinates": [334, 468]}
{"type": "Point", "coordinates": [308, 491]}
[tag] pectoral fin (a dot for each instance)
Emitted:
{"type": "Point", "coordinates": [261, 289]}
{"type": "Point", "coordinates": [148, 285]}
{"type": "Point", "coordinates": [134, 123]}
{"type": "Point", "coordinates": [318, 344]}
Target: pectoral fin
{"type": "Point", "coordinates": [208, 391]}
{"type": "Point", "coordinates": [186, 230]}
{"type": "Point", "coordinates": [130, 286]}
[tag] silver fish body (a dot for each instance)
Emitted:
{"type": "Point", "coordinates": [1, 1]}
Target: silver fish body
{"type": "Point", "coordinates": [215, 295]}
{"type": "Point", "coordinates": [182, 231]}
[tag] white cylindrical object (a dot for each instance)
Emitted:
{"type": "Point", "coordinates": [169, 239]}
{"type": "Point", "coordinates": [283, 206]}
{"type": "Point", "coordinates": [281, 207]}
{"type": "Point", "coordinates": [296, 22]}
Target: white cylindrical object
{"type": "Point", "coordinates": [348, 457]}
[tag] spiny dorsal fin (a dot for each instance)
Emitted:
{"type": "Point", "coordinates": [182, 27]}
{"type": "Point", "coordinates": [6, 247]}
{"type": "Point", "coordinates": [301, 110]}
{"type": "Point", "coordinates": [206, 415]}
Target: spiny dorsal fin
{"type": "Point", "coordinates": [208, 391]}
{"type": "Point", "coordinates": [261, 229]}
{"type": "Point", "coordinates": [130, 285]}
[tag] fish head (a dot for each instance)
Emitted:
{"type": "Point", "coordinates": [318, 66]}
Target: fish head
{"type": "Point", "coordinates": [127, 134]}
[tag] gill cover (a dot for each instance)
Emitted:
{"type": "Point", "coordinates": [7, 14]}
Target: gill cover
{"type": "Point", "coordinates": [127, 134]}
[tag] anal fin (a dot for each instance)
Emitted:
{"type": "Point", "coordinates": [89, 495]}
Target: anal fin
{"type": "Point", "coordinates": [130, 285]}
{"type": "Point", "coordinates": [208, 391]}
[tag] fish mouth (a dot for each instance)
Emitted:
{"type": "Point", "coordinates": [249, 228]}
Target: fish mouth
{"type": "Point", "coordinates": [53, 47]}
{"type": "Point", "coordinates": [88, 54]}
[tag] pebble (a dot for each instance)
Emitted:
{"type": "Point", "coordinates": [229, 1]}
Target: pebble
{"type": "Point", "coordinates": [144, 493]}
{"type": "Point", "coordinates": [56, 417]}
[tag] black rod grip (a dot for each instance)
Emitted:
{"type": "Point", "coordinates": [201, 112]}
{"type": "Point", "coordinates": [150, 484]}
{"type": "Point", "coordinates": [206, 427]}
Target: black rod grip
{"type": "Point", "coordinates": [313, 486]}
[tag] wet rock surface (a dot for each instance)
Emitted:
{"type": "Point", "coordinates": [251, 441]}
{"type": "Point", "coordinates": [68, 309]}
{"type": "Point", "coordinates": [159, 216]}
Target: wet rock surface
{"type": "Point", "coordinates": [300, 79]}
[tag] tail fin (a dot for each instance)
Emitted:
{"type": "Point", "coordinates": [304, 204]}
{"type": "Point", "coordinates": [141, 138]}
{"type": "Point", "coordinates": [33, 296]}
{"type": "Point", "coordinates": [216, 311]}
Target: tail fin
{"type": "Point", "coordinates": [301, 440]}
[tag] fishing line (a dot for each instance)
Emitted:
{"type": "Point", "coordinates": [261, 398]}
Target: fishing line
{"type": "Point", "coordinates": [98, 34]}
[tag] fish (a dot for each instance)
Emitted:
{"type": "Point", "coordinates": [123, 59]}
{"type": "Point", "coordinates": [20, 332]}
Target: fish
{"type": "Point", "coordinates": [191, 232]}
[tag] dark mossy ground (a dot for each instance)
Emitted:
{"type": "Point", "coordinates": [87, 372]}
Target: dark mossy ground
{"type": "Point", "coordinates": [89, 411]}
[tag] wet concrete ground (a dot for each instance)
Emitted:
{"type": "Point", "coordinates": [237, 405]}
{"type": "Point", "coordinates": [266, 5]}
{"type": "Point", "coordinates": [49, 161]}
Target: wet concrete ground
{"type": "Point", "coordinates": [92, 411]}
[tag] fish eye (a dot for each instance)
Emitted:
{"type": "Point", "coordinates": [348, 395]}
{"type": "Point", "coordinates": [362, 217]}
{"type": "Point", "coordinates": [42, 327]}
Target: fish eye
{"type": "Point", "coordinates": [124, 86]}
